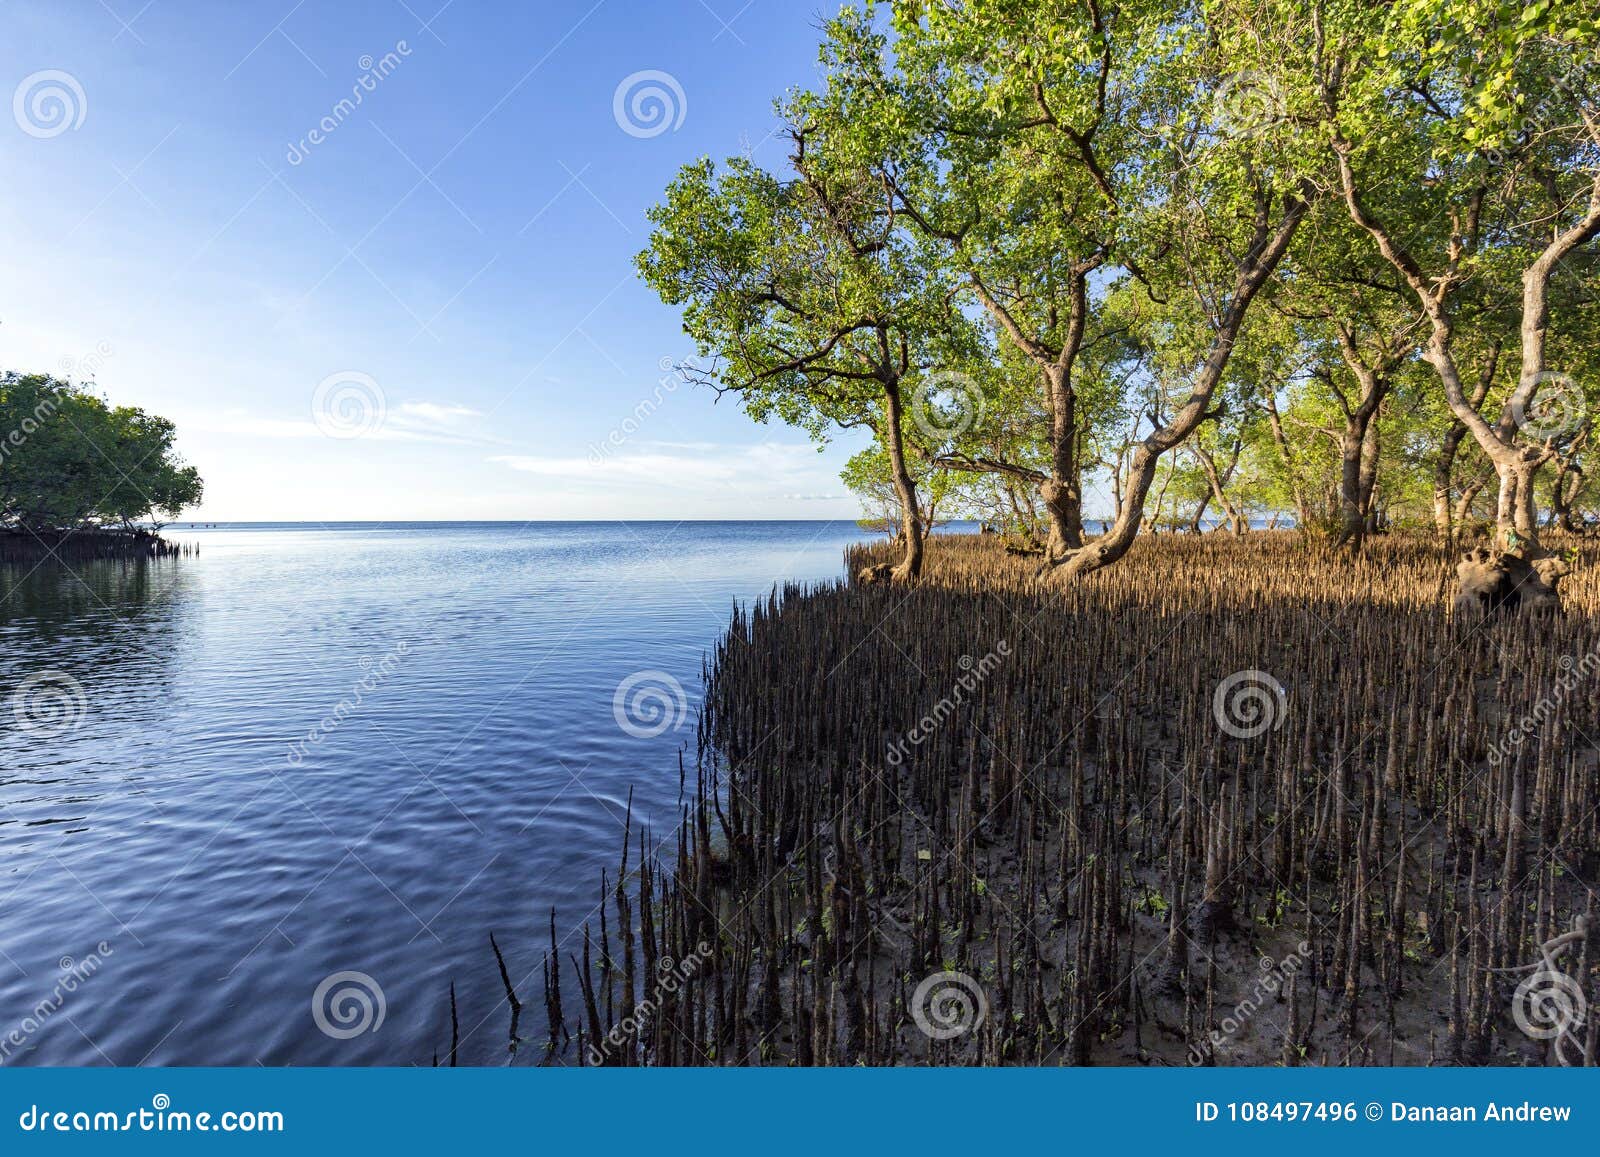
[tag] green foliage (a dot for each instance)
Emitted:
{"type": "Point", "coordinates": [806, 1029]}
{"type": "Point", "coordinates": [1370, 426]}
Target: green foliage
{"type": "Point", "coordinates": [1053, 204]}
{"type": "Point", "coordinates": [68, 460]}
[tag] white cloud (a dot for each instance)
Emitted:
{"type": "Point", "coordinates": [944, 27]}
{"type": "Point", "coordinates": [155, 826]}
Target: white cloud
{"type": "Point", "coordinates": [766, 469]}
{"type": "Point", "coordinates": [411, 421]}
{"type": "Point", "coordinates": [433, 413]}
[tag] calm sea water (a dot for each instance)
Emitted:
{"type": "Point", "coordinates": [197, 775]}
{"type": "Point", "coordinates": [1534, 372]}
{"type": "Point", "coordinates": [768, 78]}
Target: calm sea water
{"type": "Point", "coordinates": [359, 748]}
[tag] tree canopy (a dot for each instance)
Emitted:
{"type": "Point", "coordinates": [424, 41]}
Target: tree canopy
{"type": "Point", "coordinates": [70, 461]}
{"type": "Point", "coordinates": [1331, 262]}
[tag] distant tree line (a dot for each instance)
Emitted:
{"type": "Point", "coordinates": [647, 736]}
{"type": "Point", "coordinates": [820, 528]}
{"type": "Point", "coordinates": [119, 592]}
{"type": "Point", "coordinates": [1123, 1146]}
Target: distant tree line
{"type": "Point", "coordinates": [1324, 260]}
{"type": "Point", "coordinates": [70, 461]}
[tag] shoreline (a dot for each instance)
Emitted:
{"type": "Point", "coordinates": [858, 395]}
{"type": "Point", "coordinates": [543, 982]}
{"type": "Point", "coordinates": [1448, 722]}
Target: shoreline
{"type": "Point", "coordinates": [1102, 851]}
{"type": "Point", "coordinates": [25, 547]}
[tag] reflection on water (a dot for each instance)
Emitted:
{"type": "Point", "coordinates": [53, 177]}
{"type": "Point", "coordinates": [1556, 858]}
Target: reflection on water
{"type": "Point", "coordinates": [311, 750]}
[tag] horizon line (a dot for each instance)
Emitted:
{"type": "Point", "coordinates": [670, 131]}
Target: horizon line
{"type": "Point", "coordinates": [200, 523]}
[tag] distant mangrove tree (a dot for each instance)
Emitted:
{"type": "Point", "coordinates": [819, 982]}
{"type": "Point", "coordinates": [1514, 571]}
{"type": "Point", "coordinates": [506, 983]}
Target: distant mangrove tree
{"type": "Point", "coordinates": [70, 462]}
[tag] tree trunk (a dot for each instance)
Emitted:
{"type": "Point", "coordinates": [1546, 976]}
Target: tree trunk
{"type": "Point", "coordinates": [1218, 481]}
{"type": "Point", "coordinates": [1358, 446]}
{"type": "Point", "coordinates": [1515, 464]}
{"type": "Point", "coordinates": [1525, 510]}
{"type": "Point", "coordinates": [1117, 472]}
{"type": "Point", "coordinates": [1063, 503]}
{"type": "Point", "coordinates": [1302, 508]}
{"type": "Point", "coordinates": [1367, 482]}
{"type": "Point", "coordinates": [1450, 445]}
{"type": "Point", "coordinates": [1161, 504]}
{"type": "Point", "coordinates": [1514, 461]}
{"type": "Point", "coordinates": [910, 524]}
{"type": "Point", "coordinates": [1369, 467]}
{"type": "Point", "coordinates": [1351, 523]}
{"type": "Point", "coordinates": [1516, 513]}
{"type": "Point", "coordinates": [1062, 490]}
{"type": "Point", "coordinates": [1443, 481]}
{"type": "Point", "coordinates": [1469, 495]}
{"type": "Point", "coordinates": [1265, 252]}
{"type": "Point", "coordinates": [1563, 493]}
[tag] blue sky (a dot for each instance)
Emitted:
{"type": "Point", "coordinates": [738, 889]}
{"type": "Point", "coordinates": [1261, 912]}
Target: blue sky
{"type": "Point", "coordinates": [443, 278]}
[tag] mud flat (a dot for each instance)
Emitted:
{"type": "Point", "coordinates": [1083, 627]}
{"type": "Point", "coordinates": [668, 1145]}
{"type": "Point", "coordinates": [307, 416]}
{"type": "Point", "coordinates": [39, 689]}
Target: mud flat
{"type": "Point", "coordinates": [1239, 801]}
